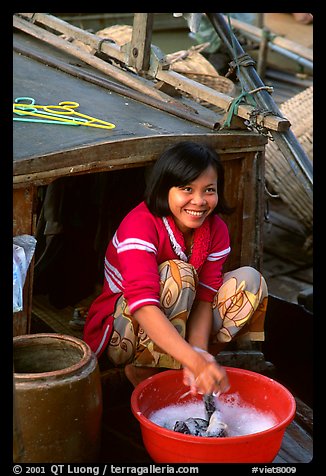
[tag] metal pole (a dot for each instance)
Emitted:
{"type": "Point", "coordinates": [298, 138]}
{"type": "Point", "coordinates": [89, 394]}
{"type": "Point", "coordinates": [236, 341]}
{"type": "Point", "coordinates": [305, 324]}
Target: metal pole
{"type": "Point", "coordinates": [286, 141]}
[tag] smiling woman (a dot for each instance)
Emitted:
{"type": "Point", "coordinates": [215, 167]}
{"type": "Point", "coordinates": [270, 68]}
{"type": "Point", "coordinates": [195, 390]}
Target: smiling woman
{"type": "Point", "coordinates": [166, 300]}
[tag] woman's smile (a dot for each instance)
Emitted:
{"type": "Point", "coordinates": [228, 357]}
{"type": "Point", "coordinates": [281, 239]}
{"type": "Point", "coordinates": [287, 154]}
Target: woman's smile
{"type": "Point", "coordinates": [195, 213]}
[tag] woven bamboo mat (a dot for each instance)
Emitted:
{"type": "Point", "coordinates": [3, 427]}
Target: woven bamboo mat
{"type": "Point", "coordinates": [280, 174]}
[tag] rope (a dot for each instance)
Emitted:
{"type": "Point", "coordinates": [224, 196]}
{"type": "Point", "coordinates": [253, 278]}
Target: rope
{"type": "Point", "coordinates": [245, 97]}
{"type": "Point", "coordinates": [266, 33]}
{"type": "Point", "coordinates": [233, 109]}
{"type": "Point", "coordinates": [243, 60]}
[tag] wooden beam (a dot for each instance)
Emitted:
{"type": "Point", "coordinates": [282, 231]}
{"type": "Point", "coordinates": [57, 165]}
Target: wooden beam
{"type": "Point", "coordinates": [65, 28]}
{"type": "Point", "coordinates": [221, 100]}
{"type": "Point", "coordinates": [116, 154]}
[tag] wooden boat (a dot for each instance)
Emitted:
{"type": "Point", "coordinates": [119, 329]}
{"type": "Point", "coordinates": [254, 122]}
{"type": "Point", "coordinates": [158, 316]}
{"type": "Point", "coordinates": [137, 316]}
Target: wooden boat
{"type": "Point", "coordinates": [87, 159]}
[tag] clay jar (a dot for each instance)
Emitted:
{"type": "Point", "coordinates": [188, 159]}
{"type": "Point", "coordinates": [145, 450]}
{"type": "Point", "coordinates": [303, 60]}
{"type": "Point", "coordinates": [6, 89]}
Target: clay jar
{"type": "Point", "coordinates": [58, 398]}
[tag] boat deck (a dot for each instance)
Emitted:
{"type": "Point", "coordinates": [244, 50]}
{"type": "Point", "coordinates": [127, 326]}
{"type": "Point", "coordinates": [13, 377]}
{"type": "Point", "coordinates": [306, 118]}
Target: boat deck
{"type": "Point", "coordinates": [288, 278]}
{"type": "Point", "coordinates": [288, 270]}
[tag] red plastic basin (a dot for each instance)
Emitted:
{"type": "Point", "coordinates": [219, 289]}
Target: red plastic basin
{"type": "Point", "coordinates": [168, 446]}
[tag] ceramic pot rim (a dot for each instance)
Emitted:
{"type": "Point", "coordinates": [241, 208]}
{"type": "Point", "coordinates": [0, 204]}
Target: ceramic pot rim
{"type": "Point", "coordinates": [71, 369]}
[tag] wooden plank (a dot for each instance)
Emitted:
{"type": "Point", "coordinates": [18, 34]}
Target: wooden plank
{"type": "Point", "coordinates": [274, 266]}
{"type": "Point", "coordinates": [304, 415]}
{"type": "Point", "coordinates": [134, 120]}
{"type": "Point", "coordinates": [305, 274]}
{"type": "Point", "coordinates": [69, 30]}
{"type": "Point", "coordinates": [56, 319]}
{"type": "Point", "coordinates": [288, 246]}
{"type": "Point", "coordinates": [281, 216]}
{"type": "Point", "coordinates": [297, 446]}
{"type": "Point", "coordinates": [253, 212]}
{"type": "Point", "coordinates": [42, 178]}
{"type": "Point", "coordinates": [286, 287]}
{"type": "Point", "coordinates": [208, 94]}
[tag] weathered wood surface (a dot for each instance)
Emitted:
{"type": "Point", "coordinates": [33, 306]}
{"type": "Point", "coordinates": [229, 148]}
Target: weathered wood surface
{"type": "Point", "coordinates": [55, 150]}
{"type": "Point", "coordinates": [297, 446]}
{"type": "Point", "coordinates": [140, 47]}
{"type": "Point", "coordinates": [170, 77]}
{"type": "Point", "coordinates": [288, 266]}
{"type": "Point", "coordinates": [304, 416]}
{"type": "Point", "coordinates": [198, 115]}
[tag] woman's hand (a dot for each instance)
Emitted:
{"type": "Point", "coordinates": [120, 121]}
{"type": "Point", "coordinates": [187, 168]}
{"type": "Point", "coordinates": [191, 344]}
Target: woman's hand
{"type": "Point", "coordinates": [206, 375]}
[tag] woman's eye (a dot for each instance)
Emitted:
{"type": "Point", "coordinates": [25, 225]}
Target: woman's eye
{"type": "Point", "coordinates": [211, 190]}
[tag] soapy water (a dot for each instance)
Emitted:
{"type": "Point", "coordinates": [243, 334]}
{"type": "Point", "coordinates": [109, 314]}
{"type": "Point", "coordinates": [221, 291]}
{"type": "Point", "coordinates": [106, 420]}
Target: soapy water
{"type": "Point", "coordinates": [240, 418]}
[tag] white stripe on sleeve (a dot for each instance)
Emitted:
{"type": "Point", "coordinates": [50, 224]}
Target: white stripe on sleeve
{"type": "Point", "coordinates": [136, 244]}
{"type": "Point", "coordinates": [219, 255]}
{"type": "Point", "coordinates": [134, 304]}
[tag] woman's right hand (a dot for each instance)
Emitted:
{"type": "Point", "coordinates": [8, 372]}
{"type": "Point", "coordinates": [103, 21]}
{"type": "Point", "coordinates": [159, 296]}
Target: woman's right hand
{"type": "Point", "coordinates": [205, 375]}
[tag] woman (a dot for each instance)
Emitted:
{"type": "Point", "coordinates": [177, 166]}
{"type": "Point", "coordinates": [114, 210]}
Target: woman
{"type": "Point", "coordinates": [165, 298]}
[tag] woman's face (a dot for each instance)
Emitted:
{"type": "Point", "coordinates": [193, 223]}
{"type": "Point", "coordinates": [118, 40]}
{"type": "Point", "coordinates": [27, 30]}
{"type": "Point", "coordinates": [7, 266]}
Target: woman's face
{"type": "Point", "coordinates": [190, 204]}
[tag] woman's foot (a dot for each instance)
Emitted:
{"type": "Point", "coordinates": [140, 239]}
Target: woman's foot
{"type": "Point", "coordinates": [135, 375]}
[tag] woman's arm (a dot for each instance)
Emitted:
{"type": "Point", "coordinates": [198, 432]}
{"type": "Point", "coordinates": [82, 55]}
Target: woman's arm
{"type": "Point", "coordinates": [199, 324]}
{"type": "Point", "coordinates": [209, 376]}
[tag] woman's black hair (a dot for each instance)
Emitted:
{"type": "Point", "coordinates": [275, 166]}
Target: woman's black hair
{"type": "Point", "coordinates": [180, 165]}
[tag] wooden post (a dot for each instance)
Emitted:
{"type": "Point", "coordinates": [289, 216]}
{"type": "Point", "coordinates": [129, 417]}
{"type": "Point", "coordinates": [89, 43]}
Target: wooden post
{"type": "Point", "coordinates": [140, 48]}
{"type": "Point", "coordinates": [262, 54]}
{"type": "Point", "coordinates": [24, 223]}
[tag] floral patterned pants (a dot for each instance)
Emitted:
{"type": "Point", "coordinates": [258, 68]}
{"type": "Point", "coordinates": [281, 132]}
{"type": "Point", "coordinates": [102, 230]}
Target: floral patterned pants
{"type": "Point", "coordinates": [239, 308]}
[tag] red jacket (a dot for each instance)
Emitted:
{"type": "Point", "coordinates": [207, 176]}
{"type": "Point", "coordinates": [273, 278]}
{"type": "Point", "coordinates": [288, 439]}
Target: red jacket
{"type": "Point", "coordinates": [141, 243]}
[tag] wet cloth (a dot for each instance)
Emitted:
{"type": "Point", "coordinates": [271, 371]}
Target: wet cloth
{"type": "Point", "coordinates": [132, 260]}
{"type": "Point", "coordinates": [239, 307]}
